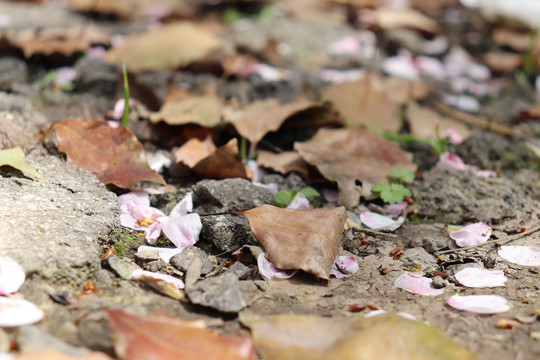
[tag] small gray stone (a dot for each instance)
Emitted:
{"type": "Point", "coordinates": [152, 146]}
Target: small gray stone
{"type": "Point", "coordinates": [155, 265]}
{"type": "Point", "coordinates": [181, 261]}
{"type": "Point", "coordinates": [419, 259]}
{"type": "Point", "coordinates": [103, 279]}
{"type": "Point", "coordinates": [240, 270]}
{"type": "Point", "coordinates": [226, 232]}
{"type": "Point", "coordinates": [95, 332]}
{"type": "Point", "coordinates": [96, 77]}
{"type": "Point", "coordinates": [438, 282]}
{"type": "Point", "coordinates": [221, 293]}
{"type": "Point", "coordinates": [13, 70]}
{"type": "Point", "coordinates": [292, 181]}
{"type": "Point", "coordinates": [122, 267]}
{"type": "Point", "coordinates": [229, 195]}
{"type": "Point", "coordinates": [432, 237]}
{"type": "Point", "coordinates": [147, 255]}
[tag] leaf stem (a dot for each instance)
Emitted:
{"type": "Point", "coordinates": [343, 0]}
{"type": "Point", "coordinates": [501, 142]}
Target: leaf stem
{"type": "Point", "coordinates": [125, 115]}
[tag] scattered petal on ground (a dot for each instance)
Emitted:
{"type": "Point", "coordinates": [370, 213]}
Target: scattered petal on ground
{"type": "Point", "coordinates": [141, 274]}
{"type": "Point", "coordinates": [453, 136]}
{"type": "Point", "coordinates": [167, 284]}
{"type": "Point", "coordinates": [300, 202]}
{"type": "Point", "coordinates": [136, 211]}
{"type": "Point", "coordinates": [180, 227]}
{"type": "Point", "coordinates": [153, 232]}
{"type": "Point", "coordinates": [164, 254]}
{"type": "Point", "coordinates": [475, 277]}
{"type": "Point", "coordinates": [472, 234]}
{"type": "Point", "coordinates": [395, 209]}
{"type": "Point", "coordinates": [269, 270]}
{"type": "Point", "coordinates": [449, 160]}
{"type": "Point", "coordinates": [344, 266]}
{"type": "Point", "coordinates": [18, 312]}
{"type": "Point", "coordinates": [479, 304]}
{"type": "Point", "coordinates": [521, 255]}
{"type": "Point", "coordinates": [417, 284]}
{"type": "Point", "coordinates": [11, 276]}
{"type": "Point", "coordinates": [380, 222]}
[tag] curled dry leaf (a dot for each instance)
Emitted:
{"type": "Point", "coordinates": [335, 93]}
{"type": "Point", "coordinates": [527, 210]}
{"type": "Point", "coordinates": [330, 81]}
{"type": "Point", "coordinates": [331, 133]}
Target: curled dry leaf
{"type": "Point", "coordinates": [284, 162]}
{"type": "Point", "coordinates": [194, 150]}
{"type": "Point", "coordinates": [166, 338]}
{"type": "Point", "coordinates": [114, 155]}
{"type": "Point", "coordinates": [15, 158]}
{"type": "Point", "coordinates": [167, 47]}
{"type": "Point", "coordinates": [204, 110]}
{"type": "Point", "coordinates": [224, 162]}
{"type": "Point", "coordinates": [298, 239]}
{"type": "Point", "coordinates": [262, 116]}
{"type": "Point", "coordinates": [352, 154]}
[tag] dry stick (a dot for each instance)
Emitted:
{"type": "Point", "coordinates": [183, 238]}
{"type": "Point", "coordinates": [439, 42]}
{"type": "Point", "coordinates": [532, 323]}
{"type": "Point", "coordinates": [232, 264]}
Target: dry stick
{"type": "Point", "coordinates": [506, 239]}
{"type": "Point", "coordinates": [377, 234]}
{"type": "Point", "coordinates": [474, 120]}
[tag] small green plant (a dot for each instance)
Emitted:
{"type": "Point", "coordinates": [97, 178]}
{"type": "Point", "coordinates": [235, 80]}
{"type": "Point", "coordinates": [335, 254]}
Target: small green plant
{"type": "Point", "coordinates": [438, 145]}
{"type": "Point", "coordinates": [394, 192]}
{"type": "Point", "coordinates": [284, 197]}
{"type": "Point", "coordinates": [124, 242]}
{"type": "Point", "coordinates": [125, 115]}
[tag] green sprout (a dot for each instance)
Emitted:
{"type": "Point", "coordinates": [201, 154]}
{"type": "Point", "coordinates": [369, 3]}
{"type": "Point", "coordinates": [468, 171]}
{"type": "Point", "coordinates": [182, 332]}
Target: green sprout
{"type": "Point", "coordinates": [438, 145]}
{"type": "Point", "coordinates": [284, 197]}
{"type": "Point", "coordinates": [125, 115]}
{"type": "Point", "coordinates": [394, 192]}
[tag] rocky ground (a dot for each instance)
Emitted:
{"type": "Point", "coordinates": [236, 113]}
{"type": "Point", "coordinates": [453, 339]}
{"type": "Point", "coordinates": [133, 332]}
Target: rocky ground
{"type": "Point", "coordinates": [59, 228]}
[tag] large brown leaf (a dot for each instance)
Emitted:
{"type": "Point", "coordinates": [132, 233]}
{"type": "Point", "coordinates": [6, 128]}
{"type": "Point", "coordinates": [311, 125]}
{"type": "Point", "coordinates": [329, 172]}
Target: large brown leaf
{"type": "Point", "coordinates": [194, 150]}
{"type": "Point", "coordinates": [224, 162]}
{"type": "Point", "coordinates": [388, 336]}
{"type": "Point", "coordinates": [284, 162]}
{"type": "Point", "coordinates": [167, 47]}
{"type": "Point", "coordinates": [166, 338]}
{"type": "Point", "coordinates": [114, 155]}
{"type": "Point", "coordinates": [260, 117]}
{"type": "Point", "coordinates": [353, 154]}
{"type": "Point", "coordinates": [298, 239]}
{"type": "Point", "coordinates": [200, 110]}
{"type": "Point", "coordinates": [424, 123]}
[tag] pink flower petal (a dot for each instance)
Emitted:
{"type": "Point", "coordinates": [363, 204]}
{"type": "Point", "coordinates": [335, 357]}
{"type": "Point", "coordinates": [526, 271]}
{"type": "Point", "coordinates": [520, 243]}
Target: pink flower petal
{"type": "Point", "coordinates": [181, 228]}
{"type": "Point", "coordinates": [11, 276]}
{"type": "Point", "coordinates": [521, 255]}
{"type": "Point", "coordinates": [485, 173]}
{"type": "Point", "coordinates": [118, 110]}
{"type": "Point", "coordinates": [140, 274]}
{"type": "Point", "coordinates": [346, 45]}
{"type": "Point", "coordinates": [449, 160]}
{"type": "Point", "coordinates": [300, 202]}
{"type": "Point", "coordinates": [344, 266]}
{"type": "Point", "coordinates": [472, 234]}
{"type": "Point", "coordinates": [18, 312]}
{"type": "Point", "coordinates": [480, 278]}
{"type": "Point", "coordinates": [136, 212]}
{"type": "Point", "coordinates": [380, 222]}
{"type": "Point", "coordinates": [479, 304]}
{"type": "Point", "coordinates": [417, 284]}
{"type": "Point", "coordinates": [153, 232]}
{"type": "Point", "coordinates": [453, 136]}
{"type": "Point", "coordinates": [164, 254]}
{"type": "Point", "coordinates": [331, 195]}
{"type": "Point", "coordinates": [395, 209]}
{"type": "Point", "coordinates": [269, 270]}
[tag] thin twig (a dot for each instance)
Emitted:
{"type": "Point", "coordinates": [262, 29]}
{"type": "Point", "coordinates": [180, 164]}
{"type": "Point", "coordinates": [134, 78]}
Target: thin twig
{"type": "Point", "coordinates": [377, 234]}
{"type": "Point", "coordinates": [503, 240]}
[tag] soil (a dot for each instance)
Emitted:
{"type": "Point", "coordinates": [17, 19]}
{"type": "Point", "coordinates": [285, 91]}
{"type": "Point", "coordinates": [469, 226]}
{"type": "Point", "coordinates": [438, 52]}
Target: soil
{"type": "Point", "coordinates": [509, 203]}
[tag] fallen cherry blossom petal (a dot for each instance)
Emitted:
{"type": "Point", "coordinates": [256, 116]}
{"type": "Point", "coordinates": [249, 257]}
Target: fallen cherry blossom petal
{"type": "Point", "coordinates": [462, 102]}
{"type": "Point", "coordinates": [140, 274]}
{"type": "Point", "coordinates": [152, 233]}
{"type": "Point", "coordinates": [485, 173]}
{"type": "Point", "coordinates": [407, 315]}
{"type": "Point", "coordinates": [136, 212]}
{"type": "Point", "coordinates": [449, 160]}
{"type": "Point", "coordinates": [331, 195]}
{"type": "Point", "coordinates": [417, 284]}
{"type": "Point", "coordinates": [269, 270]}
{"type": "Point", "coordinates": [380, 222]}
{"type": "Point", "coordinates": [472, 234]}
{"type": "Point", "coordinates": [521, 255]}
{"type": "Point", "coordinates": [374, 313]}
{"type": "Point", "coordinates": [300, 202]}
{"type": "Point", "coordinates": [344, 266]}
{"type": "Point", "coordinates": [345, 45]}
{"type": "Point", "coordinates": [18, 312]}
{"type": "Point", "coordinates": [453, 136]}
{"type": "Point", "coordinates": [181, 228]}
{"type": "Point", "coordinates": [395, 209]}
{"type": "Point", "coordinates": [118, 110]}
{"type": "Point", "coordinates": [11, 276]}
{"type": "Point", "coordinates": [480, 278]}
{"type": "Point", "coordinates": [479, 304]}
{"type": "Point", "coordinates": [164, 254]}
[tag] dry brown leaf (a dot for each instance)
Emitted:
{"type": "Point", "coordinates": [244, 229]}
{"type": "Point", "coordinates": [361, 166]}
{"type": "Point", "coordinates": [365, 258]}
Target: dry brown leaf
{"type": "Point", "coordinates": [125, 9]}
{"type": "Point", "coordinates": [517, 40]}
{"type": "Point", "coordinates": [260, 117]}
{"type": "Point", "coordinates": [114, 155]}
{"type": "Point", "coordinates": [424, 122]}
{"type": "Point", "coordinates": [353, 154]}
{"type": "Point", "coordinates": [531, 113]}
{"type": "Point", "coordinates": [57, 355]}
{"type": "Point", "coordinates": [166, 338]}
{"type": "Point", "coordinates": [390, 18]}
{"type": "Point", "coordinates": [298, 239]}
{"type": "Point", "coordinates": [366, 102]}
{"type": "Point", "coordinates": [194, 150]}
{"type": "Point", "coordinates": [224, 162]}
{"type": "Point", "coordinates": [388, 336]}
{"type": "Point", "coordinates": [401, 90]}
{"type": "Point", "coordinates": [284, 162]}
{"type": "Point", "coordinates": [503, 61]}
{"type": "Point", "coordinates": [316, 11]}
{"type": "Point", "coordinates": [167, 47]}
{"type": "Point", "coordinates": [202, 110]}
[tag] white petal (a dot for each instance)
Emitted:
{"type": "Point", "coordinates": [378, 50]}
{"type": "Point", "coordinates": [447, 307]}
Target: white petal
{"type": "Point", "coordinates": [145, 275]}
{"type": "Point", "coordinates": [164, 254]}
{"type": "Point", "coordinates": [182, 230]}
{"type": "Point", "coordinates": [417, 284]}
{"type": "Point", "coordinates": [395, 209]}
{"type": "Point", "coordinates": [300, 202]}
{"type": "Point", "coordinates": [183, 207]}
{"type": "Point", "coordinates": [380, 222]}
{"type": "Point", "coordinates": [479, 304]}
{"type": "Point", "coordinates": [18, 312]}
{"type": "Point", "coordinates": [11, 276]}
{"type": "Point", "coordinates": [269, 270]}
{"type": "Point", "coordinates": [344, 266]}
{"type": "Point", "coordinates": [134, 207]}
{"type": "Point", "coordinates": [521, 255]}
{"type": "Point", "coordinates": [472, 234]}
{"type": "Point", "coordinates": [152, 233]}
{"type": "Point", "coordinates": [480, 278]}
